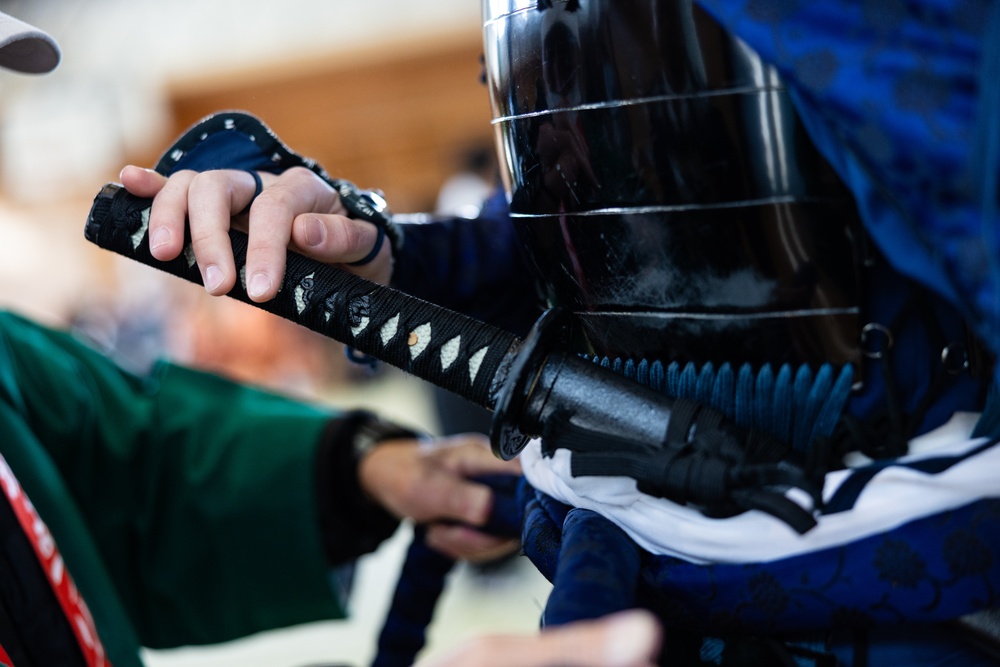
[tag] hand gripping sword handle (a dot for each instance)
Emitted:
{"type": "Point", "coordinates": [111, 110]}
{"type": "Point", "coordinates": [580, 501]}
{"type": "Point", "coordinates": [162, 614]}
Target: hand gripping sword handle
{"type": "Point", "coordinates": [455, 352]}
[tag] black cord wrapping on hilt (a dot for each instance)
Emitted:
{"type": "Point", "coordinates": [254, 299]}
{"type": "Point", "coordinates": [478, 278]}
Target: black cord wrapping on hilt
{"type": "Point", "coordinates": [455, 352]}
{"type": "Point", "coordinates": [703, 461]}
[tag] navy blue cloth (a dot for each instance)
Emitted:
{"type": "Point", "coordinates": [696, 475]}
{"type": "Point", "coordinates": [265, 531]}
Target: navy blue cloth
{"type": "Point", "coordinates": [422, 578]}
{"type": "Point", "coordinates": [912, 646]}
{"type": "Point", "coordinates": [892, 579]}
{"type": "Point", "coordinates": [418, 588]}
{"type": "Point", "coordinates": [902, 98]}
{"type": "Point", "coordinates": [481, 263]}
{"type": "Point", "coordinates": [228, 141]}
{"type": "Point", "coordinates": [890, 590]}
{"type": "Point", "coordinates": [597, 570]}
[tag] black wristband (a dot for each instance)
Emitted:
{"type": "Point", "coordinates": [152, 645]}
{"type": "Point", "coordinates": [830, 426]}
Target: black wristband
{"type": "Point", "coordinates": [352, 524]}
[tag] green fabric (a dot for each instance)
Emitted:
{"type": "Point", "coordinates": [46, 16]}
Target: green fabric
{"type": "Point", "coordinates": [193, 496]}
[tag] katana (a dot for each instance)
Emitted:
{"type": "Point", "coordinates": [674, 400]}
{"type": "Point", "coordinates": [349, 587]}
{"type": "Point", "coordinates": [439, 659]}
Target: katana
{"type": "Point", "coordinates": [513, 378]}
{"type": "Point", "coordinates": [533, 386]}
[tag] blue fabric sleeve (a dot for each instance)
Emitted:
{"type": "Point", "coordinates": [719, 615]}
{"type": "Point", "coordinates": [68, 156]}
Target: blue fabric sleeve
{"type": "Point", "coordinates": [223, 151]}
{"type": "Point", "coordinates": [232, 140]}
{"type": "Point", "coordinates": [473, 266]}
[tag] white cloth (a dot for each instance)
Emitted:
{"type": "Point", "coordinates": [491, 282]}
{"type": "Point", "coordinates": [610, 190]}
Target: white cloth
{"type": "Point", "coordinates": [895, 496]}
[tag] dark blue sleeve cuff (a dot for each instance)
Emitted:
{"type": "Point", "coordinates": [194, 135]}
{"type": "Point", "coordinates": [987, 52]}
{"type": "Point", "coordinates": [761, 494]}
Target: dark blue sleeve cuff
{"type": "Point", "coordinates": [238, 140]}
{"type": "Point", "coordinates": [233, 140]}
{"type": "Point", "coordinates": [476, 267]}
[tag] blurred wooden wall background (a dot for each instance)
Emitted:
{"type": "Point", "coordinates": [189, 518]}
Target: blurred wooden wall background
{"type": "Point", "coordinates": [400, 119]}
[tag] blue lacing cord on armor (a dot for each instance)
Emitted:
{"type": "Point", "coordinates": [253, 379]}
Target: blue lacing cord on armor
{"type": "Point", "coordinates": [794, 405]}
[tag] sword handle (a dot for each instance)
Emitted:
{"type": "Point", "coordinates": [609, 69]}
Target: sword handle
{"type": "Point", "coordinates": [456, 352]}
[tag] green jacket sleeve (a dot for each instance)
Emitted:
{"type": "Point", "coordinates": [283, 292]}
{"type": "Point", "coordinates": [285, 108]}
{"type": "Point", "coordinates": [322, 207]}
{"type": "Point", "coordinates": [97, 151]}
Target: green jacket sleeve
{"type": "Point", "coordinates": [199, 493]}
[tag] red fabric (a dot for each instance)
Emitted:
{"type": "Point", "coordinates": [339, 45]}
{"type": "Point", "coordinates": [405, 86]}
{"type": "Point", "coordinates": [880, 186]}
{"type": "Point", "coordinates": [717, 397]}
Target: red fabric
{"type": "Point", "coordinates": [5, 660]}
{"type": "Point", "coordinates": [52, 564]}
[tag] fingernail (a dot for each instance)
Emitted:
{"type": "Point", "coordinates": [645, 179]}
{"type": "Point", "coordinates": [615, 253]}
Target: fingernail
{"type": "Point", "coordinates": [213, 277]}
{"type": "Point", "coordinates": [132, 166]}
{"type": "Point", "coordinates": [160, 237]}
{"type": "Point", "coordinates": [315, 232]}
{"type": "Point", "coordinates": [259, 283]}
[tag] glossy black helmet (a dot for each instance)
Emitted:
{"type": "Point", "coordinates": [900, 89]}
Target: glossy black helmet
{"type": "Point", "coordinates": [664, 188]}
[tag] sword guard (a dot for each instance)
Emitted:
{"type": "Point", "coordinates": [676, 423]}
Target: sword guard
{"type": "Point", "coordinates": [548, 333]}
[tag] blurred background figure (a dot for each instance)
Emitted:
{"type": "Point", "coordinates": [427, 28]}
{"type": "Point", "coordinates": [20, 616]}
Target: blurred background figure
{"type": "Point", "coordinates": [135, 74]}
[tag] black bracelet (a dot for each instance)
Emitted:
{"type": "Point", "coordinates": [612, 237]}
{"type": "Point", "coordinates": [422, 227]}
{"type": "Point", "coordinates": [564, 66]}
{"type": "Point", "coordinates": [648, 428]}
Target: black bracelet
{"type": "Point", "coordinates": [370, 433]}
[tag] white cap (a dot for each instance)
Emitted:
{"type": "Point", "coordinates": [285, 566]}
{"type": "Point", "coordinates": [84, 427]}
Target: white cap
{"type": "Point", "coordinates": [25, 48]}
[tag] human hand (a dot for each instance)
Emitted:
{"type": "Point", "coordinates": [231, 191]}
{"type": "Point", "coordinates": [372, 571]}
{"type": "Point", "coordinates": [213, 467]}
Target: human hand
{"type": "Point", "coordinates": [626, 639]}
{"type": "Point", "coordinates": [295, 209]}
{"type": "Point", "coordinates": [429, 483]}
